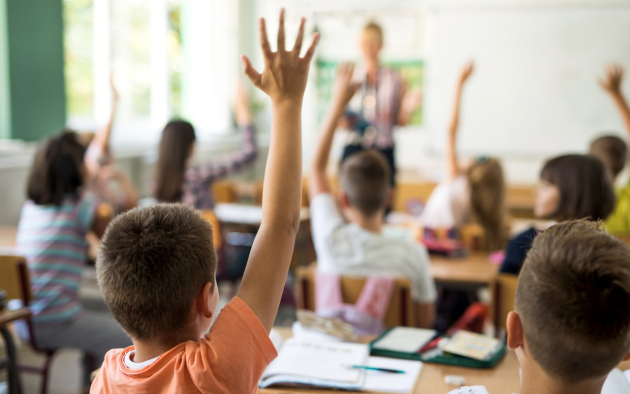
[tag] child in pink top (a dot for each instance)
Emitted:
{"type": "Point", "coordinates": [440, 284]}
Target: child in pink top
{"type": "Point", "coordinates": [156, 267]}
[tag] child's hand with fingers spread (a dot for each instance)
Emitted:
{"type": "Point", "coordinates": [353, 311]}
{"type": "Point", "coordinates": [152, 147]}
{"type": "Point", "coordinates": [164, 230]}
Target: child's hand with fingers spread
{"type": "Point", "coordinates": [344, 87]}
{"type": "Point", "coordinates": [613, 78]}
{"type": "Point", "coordinates": [285, 74]}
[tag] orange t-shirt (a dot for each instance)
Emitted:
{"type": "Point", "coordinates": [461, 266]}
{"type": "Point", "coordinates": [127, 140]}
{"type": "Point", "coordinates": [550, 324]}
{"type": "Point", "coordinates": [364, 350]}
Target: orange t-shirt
{"type": "Point", "coordinates": [230, 359]}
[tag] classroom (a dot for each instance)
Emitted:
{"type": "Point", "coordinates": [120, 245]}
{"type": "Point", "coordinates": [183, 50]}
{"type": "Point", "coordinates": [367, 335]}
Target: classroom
{"type": "Point", "coordinates": [299, 196]}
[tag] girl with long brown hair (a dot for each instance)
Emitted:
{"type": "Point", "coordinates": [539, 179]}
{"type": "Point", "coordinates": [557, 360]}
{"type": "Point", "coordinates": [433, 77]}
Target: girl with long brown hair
{"type": "Point", "coordinates": [177, 181]}
{"type": "Point", "coordinates": [471, 194]}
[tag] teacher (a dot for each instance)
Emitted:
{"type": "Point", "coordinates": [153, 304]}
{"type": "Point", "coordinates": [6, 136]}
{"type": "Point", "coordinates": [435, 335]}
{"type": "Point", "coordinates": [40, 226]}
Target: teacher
{"type": "Point", "coordinates": [382, 100]}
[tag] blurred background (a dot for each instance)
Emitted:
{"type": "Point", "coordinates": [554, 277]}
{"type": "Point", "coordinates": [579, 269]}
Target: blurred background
{"type": "Point", "coordinates": [534, 93]}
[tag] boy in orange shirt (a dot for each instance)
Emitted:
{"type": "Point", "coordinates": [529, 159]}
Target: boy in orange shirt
{"type": "Point", "coordinates": [156, 267]}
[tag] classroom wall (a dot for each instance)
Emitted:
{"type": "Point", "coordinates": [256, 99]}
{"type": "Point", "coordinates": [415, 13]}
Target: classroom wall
{"type": "Point", "coordinates": [420, 148]}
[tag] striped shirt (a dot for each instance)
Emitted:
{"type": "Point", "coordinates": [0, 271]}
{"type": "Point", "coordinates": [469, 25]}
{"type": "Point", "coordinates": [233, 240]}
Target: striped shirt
{"type": "Point", "coordinates": [52, 239]}
{"type": "Point", "coordinates": [384, 114]}
{"type": "Point", "coordinates": [198, 180]}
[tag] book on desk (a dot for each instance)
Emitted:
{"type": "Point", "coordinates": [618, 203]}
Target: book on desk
{"type": "Point", "coordinates": [330, 365]}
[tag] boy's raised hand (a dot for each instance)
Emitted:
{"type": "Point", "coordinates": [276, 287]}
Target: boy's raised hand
{"type": "Point", "coordinates": [612, 79]}
{"type": "Point", "coordinates": [286, 73]}
{"type": "Point", "coordinates": [344, 87]}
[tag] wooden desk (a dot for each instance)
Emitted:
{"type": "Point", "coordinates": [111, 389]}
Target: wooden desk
{"type": "Point", "coordinates": [10, 362]}
{"type": "Point", "coordinates": [474, 270]}
{"type": "Point", "coordinates": [504, 378]}
{"type": "Point", "coordinates": [238, 218]}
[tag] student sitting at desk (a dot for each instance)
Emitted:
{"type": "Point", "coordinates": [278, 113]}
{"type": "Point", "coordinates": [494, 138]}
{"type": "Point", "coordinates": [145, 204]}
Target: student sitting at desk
{"type": "Point", "coordinates": [471, 193]}
{"type": "Point", "coordinates": [52, 237]}
{"type": "Point", "coordinates": [178, 181]}
{"type": "Point", "coordinates": [571, 323]}
{"type": "Point", "coordinates": [570, 187]}
{"type": "Point", "coordinates": [357, 247]}
{"type": "Point", "coordinates": [613, 151]}
{"type": "Point", "coordinates": [157, 266]}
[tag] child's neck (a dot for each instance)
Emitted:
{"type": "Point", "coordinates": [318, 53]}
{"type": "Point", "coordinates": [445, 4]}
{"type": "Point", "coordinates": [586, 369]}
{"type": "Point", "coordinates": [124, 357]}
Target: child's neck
{"type": "Point", "coordinates": [538, 382]}
{"type": "Point", "coordinates": [147, 350]}
{"type": "Point", "coordinates": [372, 223]}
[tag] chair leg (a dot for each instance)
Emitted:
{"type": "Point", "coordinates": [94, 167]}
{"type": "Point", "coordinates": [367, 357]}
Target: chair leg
{"type": "Point", "coordinates": [46, 372]}
{"type": "Point", "coordinates": [15, 386]}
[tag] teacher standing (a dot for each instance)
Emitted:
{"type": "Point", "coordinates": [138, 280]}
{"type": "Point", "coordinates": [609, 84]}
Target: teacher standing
{"type": "Point", "coordinates": [382, 100]}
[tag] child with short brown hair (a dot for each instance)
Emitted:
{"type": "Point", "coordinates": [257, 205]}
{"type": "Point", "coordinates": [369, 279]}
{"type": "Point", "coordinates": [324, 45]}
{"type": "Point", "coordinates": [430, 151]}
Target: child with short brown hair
{"type": "Point", "coordinates": [156, 267]}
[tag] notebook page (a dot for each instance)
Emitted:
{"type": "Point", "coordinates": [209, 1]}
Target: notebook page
{"type": "Point", "coordinates": [319, 360]}
{"type": "Point", "coordinates": [392, 383]}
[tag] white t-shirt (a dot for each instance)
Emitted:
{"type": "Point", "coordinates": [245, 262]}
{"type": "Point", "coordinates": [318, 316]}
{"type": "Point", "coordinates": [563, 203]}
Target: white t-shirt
{"type": "Point", "coordinates": [347, 249]}
{"type": "Point", "coordinates": [448, 206]}
{"type": "Point", "coordinates": [134, 366]}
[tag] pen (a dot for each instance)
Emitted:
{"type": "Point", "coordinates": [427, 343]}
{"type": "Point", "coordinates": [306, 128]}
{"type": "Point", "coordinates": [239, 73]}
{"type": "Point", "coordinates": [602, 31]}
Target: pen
{"type": "Point", "coordinates": [387, 370]}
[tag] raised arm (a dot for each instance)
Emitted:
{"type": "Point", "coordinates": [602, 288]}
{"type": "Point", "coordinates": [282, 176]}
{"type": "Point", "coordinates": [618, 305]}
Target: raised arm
{"type": "Point", "coordinates": [99, 147]}
{"type": "Point", "coordinates": [452, 161]}
{"type": "Point", "coordinates": [612, 84]}
{"type": "Point", "coordinates": [230, 164]}
{"type": "Point", "coordinates": [344, 89]}
{"type": "Point", "coordinates": [283, 80]}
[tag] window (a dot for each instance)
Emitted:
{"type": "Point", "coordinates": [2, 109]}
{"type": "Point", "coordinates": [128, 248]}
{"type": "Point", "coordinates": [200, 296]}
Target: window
{"type": "Point", "coordinates": [167, 58]}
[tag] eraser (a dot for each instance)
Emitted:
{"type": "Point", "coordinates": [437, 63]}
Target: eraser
{"type": "Point", "coordinates": [454, 380]}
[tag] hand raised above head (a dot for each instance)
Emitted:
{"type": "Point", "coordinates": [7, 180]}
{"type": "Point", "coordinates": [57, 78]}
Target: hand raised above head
{"type": "Point", "coordinates": [612, 78]}
{"type": "Point", "coordinates": [285, 75]}
{"type": "Point", "coordinates": [344, 87]}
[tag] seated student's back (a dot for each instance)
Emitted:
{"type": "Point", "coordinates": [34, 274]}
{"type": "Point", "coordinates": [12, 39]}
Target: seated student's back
{"type": "Point", "coordinates": [348, 248]}
{"type": "Point", "coordinates": [571, 324]}
{"type": "Point", "coordinates": [358, 247]}
{"type": "Point", "coordinates": [157, 265]}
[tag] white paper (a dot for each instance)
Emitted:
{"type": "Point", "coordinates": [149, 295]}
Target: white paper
{"type": "Point", "coordinates": [616, 383]}
{"type": "Point", "coordinates": [388, 382]}
{"type": "Point", "coordinates": [327, 361]}
{"type": "Point", "coordinates": [405, 339]}
{"type": "Point", "coordinates": [246, 214]}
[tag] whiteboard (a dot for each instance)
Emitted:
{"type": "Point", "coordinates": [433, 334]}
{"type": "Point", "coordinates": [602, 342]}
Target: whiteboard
{"type": "Point", "coordinates": [534, 91]}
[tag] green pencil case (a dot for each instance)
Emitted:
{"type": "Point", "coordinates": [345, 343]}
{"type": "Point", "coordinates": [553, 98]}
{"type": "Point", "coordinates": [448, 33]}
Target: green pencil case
{"type": "Point", "coordinates": [437, 356]}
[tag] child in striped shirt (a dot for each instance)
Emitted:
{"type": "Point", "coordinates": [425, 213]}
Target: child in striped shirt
{"type": "Point", "coordinates": [51, 236]}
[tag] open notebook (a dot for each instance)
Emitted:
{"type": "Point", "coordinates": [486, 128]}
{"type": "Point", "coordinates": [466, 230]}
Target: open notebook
{"type": "Point", "coordinates": [326, 365]}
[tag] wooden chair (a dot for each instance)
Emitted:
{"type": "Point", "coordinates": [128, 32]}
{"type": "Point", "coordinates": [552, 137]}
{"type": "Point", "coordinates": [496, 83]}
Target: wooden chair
{"type": "Point", "coordinates": [504, 292]}
{"type": "Point", "coordinates": [15, 280]}
{"type": "Point", "coordinates": [401, 311]}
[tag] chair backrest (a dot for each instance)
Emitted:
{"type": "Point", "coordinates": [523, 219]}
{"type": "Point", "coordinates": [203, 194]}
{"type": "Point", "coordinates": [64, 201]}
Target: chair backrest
{"type": "Point", "coordinates": [401, 311]}
{"type": "Point", "coordinates": [210, 216]}
{"type": "Point", "coordinates": [504, 291]}
{"type": "Point", "coordinates": [14, 278]}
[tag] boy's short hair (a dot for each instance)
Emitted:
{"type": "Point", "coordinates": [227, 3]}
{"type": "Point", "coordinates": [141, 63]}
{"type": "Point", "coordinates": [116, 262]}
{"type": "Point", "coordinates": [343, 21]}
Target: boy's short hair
{"type": "Point", "coordinates": [612, 151]}
{"type": "Point", "coordinates": [365, 179]}
{"type": "Point", "coordinates": [374, 28]}
{"type": "Point", "coordinates": [151, 265]}
{"type": "Point", "coordinates": [573, 298]}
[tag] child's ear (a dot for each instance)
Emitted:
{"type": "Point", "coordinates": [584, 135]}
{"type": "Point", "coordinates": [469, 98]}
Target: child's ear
{"type": "Point", "coordinates": [203, 300]}
{"type": "Point", "coordinates": [390, 197]}
{"type": "Point", "coordinates": [515, 331]}
{"type": "Point", "coordinates": [627, 358]}
{"type": "Point", "coordinates": [343, 200]}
